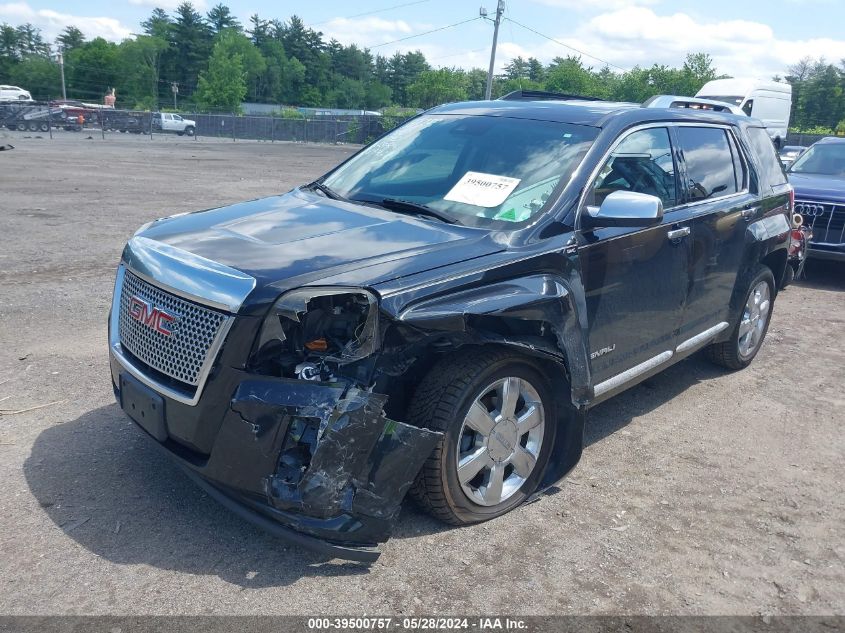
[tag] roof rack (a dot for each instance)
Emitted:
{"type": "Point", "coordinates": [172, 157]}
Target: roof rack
{"type": "Point", "coordinates": [692, 103]}
{"type": "Point", "coordinates": [542, 95]}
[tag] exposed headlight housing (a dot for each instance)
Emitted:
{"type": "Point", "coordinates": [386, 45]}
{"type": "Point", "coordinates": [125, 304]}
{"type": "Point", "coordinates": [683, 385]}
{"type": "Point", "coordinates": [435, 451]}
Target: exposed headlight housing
{"type": "Point", "coordinates": [310, 332]}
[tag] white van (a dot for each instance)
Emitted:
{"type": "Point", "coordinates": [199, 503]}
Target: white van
{"type": "Point", "coordinates": [768, 101]}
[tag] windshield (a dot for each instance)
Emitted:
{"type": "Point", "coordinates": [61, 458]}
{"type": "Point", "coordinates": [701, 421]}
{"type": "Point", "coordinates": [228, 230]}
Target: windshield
{"type": "Point", "coordinates": [826, 158]}
{"type": "Point", "coordinates": [731, 100]}
{"type": "Point", "coordinates": [479, 170]}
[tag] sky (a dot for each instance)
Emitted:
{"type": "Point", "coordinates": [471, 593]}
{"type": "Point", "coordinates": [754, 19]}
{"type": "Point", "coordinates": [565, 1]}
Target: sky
{"type": "Point", "coordinates": [746, 38]}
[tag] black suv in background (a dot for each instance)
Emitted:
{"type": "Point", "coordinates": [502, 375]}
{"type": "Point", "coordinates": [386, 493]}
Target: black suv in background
{"type": "Point", "coordinates": [438, 313]}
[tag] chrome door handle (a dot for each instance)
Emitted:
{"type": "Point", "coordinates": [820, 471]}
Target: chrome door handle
{"type": "Point", "coordinates": [676, 234]}
{"type": "Point", "coordinates": [750, 212]}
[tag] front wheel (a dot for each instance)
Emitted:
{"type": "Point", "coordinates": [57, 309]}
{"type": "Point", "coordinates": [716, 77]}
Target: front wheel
{"type": "Point", "coordinates": [190, 131]}
{"type": "Point", "coordinates": [497, 413]}
{"type": "Point", "coordinates": [748, 334]}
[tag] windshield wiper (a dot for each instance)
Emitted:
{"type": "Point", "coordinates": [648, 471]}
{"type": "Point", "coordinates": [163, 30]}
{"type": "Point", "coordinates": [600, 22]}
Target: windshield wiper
{"type": "Point", "coordinates": [415, 208]}
{"type": "Point", "coordinates": [325, 190]}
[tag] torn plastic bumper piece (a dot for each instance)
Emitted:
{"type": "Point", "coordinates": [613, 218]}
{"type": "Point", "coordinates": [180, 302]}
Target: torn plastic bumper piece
{"type": "Point", "coordinates": [362, 554]}
{"type": "Point", "coordinates": [316, 464]}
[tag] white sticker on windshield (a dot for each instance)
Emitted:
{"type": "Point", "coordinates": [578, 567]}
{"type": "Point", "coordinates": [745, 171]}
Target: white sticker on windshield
{"type": "Point", "coordinates": [482, 190]}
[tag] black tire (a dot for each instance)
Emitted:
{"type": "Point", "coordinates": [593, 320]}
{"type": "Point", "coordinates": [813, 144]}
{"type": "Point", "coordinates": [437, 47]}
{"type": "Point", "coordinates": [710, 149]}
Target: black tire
{"type": "Point", "coordinates": [728, 354]}
{"type": "Point", "coordinates": [180, 134]}
{"type": "Point", "coordinates": [441, 403]}
{"type": "Point", "coordinates": [21, 127]}
{"type": "Point", "coordinates": [190, 131]}
{"type": "Point", "coordinates": [44, 127]}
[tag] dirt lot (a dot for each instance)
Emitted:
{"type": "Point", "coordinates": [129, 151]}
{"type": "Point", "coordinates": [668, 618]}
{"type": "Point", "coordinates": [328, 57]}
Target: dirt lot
{"type": "Point", "coordinates": [700, 491]}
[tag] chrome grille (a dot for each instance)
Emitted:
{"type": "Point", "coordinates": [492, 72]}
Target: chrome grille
{"type": "Point", "coordinates": [180, 355]}
{"type": "Point", "coordinates": [827, 220]}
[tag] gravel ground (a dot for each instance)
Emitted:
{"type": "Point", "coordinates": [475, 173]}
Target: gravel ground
{"type": "Point", "coordinates": [700, 491]}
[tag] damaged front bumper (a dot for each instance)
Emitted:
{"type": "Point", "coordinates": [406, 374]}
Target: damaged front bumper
{"type": "Point", "coordinates": [317, 464]}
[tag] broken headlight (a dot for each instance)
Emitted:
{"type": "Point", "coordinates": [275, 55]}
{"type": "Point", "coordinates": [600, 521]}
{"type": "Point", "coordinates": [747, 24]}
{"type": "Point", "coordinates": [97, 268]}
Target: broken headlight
{"type": "Point", "coordinates": [311, 332]}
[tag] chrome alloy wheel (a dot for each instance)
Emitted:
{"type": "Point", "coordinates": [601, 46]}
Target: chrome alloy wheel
{"type": "Point", "coordinates": [500, 441]}
{"type": "Point", "coordinates": [754, 319]}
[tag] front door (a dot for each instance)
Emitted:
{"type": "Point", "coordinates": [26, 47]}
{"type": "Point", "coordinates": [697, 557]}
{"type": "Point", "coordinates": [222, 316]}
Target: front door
{"type": "Point", "coordinates": [635, 279]}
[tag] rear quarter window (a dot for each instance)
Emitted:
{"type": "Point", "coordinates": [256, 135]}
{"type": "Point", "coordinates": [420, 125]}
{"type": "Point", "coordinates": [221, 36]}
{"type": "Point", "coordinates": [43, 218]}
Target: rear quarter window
{"type": "Point", "coordinates": [767, 158]}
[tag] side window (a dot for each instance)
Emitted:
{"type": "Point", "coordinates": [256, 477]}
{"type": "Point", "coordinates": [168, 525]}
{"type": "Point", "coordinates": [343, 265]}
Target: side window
{"type": "Point", "coordinates": [748, 107]}
{"type": "Point", "coordinates": [709, 162]}
{"type": "Point", "coordinates": [642, 162]}
{"type": "Point", "coordinates": [767, 156]}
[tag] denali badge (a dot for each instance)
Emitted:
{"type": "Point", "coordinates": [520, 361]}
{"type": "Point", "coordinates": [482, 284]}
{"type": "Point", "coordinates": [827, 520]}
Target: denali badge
{"type": "Point", "coordinates": [145, 312]}
{"type": "Point", "coordinates": [602, 351]}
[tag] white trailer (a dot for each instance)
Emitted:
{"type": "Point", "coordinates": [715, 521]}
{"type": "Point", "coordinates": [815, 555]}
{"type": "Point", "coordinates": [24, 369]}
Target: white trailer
{"type": "Point", "coordinates": [768, 101]}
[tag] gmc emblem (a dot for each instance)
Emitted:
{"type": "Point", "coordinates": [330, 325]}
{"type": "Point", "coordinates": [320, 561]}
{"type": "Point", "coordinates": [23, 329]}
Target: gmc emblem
{"type": "Point", "coordinates": [145, 312]}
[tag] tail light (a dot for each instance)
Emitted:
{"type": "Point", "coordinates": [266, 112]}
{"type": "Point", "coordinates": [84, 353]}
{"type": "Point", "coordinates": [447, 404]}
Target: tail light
{"type": "Point", "coordinates": [796, 242]}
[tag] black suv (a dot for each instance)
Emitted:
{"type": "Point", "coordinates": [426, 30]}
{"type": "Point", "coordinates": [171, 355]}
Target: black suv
{"type": "Point", "coordinates": [438, 313]}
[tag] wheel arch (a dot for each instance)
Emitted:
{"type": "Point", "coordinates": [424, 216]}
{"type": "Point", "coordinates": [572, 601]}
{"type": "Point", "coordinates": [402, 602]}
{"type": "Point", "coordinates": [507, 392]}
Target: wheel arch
{"type": "Point", "coordinates": [536, 315]}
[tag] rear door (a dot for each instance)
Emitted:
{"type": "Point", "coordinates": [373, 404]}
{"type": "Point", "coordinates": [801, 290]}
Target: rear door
{"type": "Point", "coordinates": [718, 208]}
{"type": "Point", "coordinates": [635, 279]}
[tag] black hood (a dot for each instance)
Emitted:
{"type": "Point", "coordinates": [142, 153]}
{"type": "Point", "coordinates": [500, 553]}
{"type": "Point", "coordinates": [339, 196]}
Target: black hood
{"type": "Point", "coordinates": [302, 237]}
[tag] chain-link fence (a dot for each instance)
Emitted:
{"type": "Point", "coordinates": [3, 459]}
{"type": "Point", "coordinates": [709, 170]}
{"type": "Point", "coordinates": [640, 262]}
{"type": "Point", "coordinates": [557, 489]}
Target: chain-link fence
{"type": "Point", "coordinates": [55, 117]}
{"type": "Point", "coordinates": [805, 140]}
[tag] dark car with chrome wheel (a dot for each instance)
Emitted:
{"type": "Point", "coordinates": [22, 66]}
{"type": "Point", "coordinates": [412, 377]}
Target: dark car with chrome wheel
{"type": "Point", "coordinates": [818, 178]}
{"type": "Point", "coordinates": [437, 314]}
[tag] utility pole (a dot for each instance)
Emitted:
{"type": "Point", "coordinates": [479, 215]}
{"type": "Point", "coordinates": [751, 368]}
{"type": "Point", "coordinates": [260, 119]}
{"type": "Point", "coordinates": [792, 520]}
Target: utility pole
{"type": "Point", "coordinates": [500, 9]}
{"type": "Point", "coordinates": [61, 60]}
{"type": "Point", "coordinates": [175, 88]}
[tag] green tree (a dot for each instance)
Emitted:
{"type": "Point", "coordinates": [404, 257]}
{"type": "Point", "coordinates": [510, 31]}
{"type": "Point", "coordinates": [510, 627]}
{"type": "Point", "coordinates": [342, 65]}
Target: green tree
{"type": "Point", "coordinates": [220, 18]}
{"type": "Point", "coordinates": [70, 39]}
{"type": "Point", "coordinates": [190, 44]}
{"type": "Point", "coordinates": [40, 75]}
{"type": "Point", "coordinates": [433, 87]}
{"type": "Point", "coordinates": [93, 68]}
{"type": "Point", "coordinates": [223, 86]}
{"type": "Point", "coordinates": [140, 59]}
{"type": "Point", "coordinates": [158, 25]}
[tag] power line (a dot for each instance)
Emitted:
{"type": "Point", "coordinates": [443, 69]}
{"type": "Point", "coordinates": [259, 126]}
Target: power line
{"type": "Point", "coordinates": [409, 37]}
{"type": "Point", "coordinates": [580, 52]}
{"type": "Point", "coordinates": [360, 15]}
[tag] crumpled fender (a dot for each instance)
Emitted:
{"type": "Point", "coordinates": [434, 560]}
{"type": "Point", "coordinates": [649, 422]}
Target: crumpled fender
{"type": "Point", "coordinates": [544, 299]}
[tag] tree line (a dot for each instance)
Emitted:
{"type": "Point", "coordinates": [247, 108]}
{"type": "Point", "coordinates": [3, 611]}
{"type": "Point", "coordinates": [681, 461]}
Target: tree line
{"type": "Point", "coordinates": [213, 62]}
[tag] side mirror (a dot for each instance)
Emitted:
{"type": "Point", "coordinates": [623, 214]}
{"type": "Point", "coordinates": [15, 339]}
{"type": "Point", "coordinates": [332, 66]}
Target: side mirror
{"type": "Point", "coordinates": [624, 208]}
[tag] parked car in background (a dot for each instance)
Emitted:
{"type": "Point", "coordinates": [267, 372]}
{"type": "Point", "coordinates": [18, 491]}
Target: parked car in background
{"type": "Point", "coordinates": [438, 313]}
{"type": "Point", "coordinates": [166, 122]}
{"type": "Point", "coordinates": [818, 177]}
{"type": "Point", "coordinates": [768, 101]}
{"type": "Point", "coordinates": [13, 93]}
{"type": "Point", "coordinates": [789, 153]}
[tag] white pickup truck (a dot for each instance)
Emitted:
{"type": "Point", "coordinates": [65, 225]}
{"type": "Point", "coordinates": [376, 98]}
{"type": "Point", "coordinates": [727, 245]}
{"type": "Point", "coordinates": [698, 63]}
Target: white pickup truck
{"type": "Point", "coordinates": [166, 122]}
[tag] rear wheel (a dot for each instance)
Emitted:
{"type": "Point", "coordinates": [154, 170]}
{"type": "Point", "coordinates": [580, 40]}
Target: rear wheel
{"type": "Point", "coordinates": [44, 127]}
{"type": "Point", "coordinates": [497, 413]}
{"type": "Point", "coordinates": [747, 337]}
{"type": "Point", "coordinates": [21, 127]}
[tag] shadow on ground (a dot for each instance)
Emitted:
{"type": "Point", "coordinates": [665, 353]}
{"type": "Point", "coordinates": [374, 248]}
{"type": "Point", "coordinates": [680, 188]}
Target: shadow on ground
{"type": "Point", "coordinates": [823, 275]}
{"type": "Point", "coordinates": [103, 482]}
